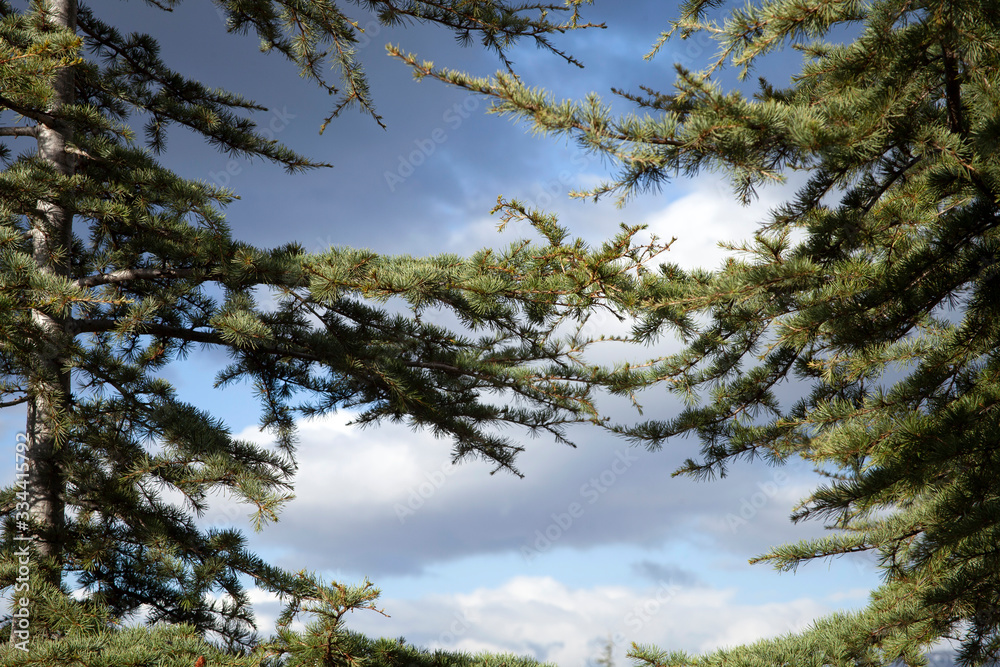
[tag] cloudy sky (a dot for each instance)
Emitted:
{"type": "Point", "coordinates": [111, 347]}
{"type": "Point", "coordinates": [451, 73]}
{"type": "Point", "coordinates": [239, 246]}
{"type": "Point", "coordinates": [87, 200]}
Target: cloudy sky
{"type": "Point", "coordinates": [594, 542]}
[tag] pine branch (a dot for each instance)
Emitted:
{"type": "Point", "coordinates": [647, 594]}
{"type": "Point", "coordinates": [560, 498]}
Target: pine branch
{"type": "Point", "coordinates": [34, 114]}
{"type": "Point", "coordinates": [189, 335]}
{"type": "Point", "coordinates": [18, 401]}
{"type": "Point", "coordinates": [501, 89]}
{"type": "Point", "coordinates": [18, 132]}
{"type": "Point", "coordinates": [126, 275]}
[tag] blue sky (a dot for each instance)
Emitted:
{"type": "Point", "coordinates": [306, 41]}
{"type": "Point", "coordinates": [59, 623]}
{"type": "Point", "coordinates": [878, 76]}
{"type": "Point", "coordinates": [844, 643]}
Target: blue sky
{"type": "Point", "coordinates": [595, 541]}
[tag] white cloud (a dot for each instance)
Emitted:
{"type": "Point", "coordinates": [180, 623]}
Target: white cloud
{"type": "Point", "coordinates": [545, 618]}
{"type": "Point", "coordinates": [387, 501]}
{"type": "Point", "coordinates": [850, 594]}
{"type": "Point", "coordinates": [708, 215]}
{"type": "Point", "coordinates": [345, 523]}
{"type": "Point", "coordinates": [370, 470]}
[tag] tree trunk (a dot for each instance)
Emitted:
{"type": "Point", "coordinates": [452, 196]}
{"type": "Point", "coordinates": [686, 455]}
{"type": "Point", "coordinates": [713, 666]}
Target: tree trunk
{"type": "Point", "coordinates": [51, 233]}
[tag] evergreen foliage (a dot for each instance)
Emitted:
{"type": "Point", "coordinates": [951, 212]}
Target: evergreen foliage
{"type": "Point", "coordinates": [90, 634]}
{"type": "Point", "coordinates": [873, 293]}
{"type": "Point", "coordinates": [111, 267]}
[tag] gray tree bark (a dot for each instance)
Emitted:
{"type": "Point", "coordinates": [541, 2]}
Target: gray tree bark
{"type": "Point", "coordinates": [49, 386]}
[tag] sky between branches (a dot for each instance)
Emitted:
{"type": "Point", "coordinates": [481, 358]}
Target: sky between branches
{"type": "Point", "coordinates": [466, 560]}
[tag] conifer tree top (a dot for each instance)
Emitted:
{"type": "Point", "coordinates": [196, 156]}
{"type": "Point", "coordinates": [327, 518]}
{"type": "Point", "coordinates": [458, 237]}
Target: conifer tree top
{"type": "Point", "coordinates": [883, 315]}
{"type": "Point", "coordinates": [112, 266]}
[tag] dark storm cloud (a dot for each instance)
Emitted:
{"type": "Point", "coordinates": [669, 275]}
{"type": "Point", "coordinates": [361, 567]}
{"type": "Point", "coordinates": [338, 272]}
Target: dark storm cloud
{"type": "Point", "coordinates": [657, 572]}
{"type": "Point", "coordinates": [414, 509]}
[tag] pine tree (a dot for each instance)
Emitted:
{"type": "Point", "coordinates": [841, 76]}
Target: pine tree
{"type": "Point", "coordinates": [874, 292]}
{"type": "Point", "coordinates": [607, 658]}
{"type": "Point", "coordinates": [111, 266]}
